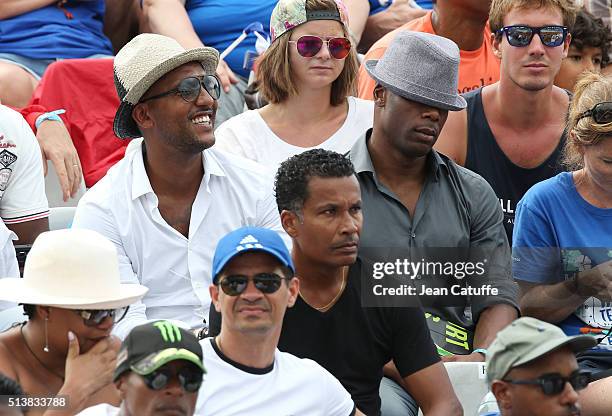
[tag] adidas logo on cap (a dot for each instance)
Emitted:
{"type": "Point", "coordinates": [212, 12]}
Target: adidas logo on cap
{"type": "Point", "coordinates": [248, 239]}
{"type": "Point", "coordinates": [248, 242]}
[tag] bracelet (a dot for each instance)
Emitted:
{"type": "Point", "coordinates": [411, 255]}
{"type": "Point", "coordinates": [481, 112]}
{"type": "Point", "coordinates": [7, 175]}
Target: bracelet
{"type": "Point", "coordinates": [51, 115]}
{"type": "Point", "coordinates": [483, 351]}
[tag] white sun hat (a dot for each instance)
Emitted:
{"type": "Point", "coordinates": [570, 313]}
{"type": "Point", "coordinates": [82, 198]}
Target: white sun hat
{"type": "Point", "coordinates": [71, 269]}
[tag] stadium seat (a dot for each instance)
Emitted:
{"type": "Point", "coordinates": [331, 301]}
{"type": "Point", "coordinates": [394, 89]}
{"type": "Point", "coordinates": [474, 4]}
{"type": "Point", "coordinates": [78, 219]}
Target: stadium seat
{"type": "Point", "coordinates": [470, 384]}
{"type": "Point", "coordinates": [10, 316]}
{"type": "Point", "coordinates": [61, 217]}
{"type": "Point", "coordinates": [54, 190]}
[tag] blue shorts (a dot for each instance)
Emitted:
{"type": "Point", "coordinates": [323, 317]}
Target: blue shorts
{"type": "Point", "coordinates": [36, 67]}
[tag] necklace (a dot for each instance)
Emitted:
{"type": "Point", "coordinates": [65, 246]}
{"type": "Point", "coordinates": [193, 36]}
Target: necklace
{"type": "Point", "coordinates": [331, 303]}
{"type": "Point", "coordinates": [38, 359]}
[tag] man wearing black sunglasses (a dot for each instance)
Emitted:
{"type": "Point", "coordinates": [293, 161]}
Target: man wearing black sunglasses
{"type": "Point", "coordinates": [173, 196]}
{"type": "Point", "coordinates": [512, 132]}
{"type": "Point", "coordinates": [532, 369]}
{"type": "Point", "coordinates": [254, 284]}
{"type": "Point", "coordinates": [159, 372]}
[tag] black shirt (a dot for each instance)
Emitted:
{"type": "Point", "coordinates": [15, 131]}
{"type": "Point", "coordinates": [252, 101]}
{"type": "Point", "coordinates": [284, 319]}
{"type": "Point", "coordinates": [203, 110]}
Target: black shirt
{"type": "Point", "coordinates": [484, 156]}
{"type": "Point", "coordinates": [354, 343]}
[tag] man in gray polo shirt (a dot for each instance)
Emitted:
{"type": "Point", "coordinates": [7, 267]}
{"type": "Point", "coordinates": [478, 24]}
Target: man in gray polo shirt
{"type": "Point", "coordinates": [415, 198]}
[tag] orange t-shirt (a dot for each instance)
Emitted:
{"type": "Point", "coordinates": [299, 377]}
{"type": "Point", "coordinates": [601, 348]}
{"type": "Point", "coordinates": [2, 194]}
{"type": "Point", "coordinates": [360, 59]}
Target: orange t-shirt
{"type": "Point", "coordinates": [476, 68]}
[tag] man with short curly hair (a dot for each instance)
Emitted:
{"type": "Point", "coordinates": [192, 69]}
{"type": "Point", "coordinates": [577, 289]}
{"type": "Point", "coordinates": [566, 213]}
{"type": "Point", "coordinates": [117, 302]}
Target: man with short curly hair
{"type": "Point", "coordinates": [319, 199]}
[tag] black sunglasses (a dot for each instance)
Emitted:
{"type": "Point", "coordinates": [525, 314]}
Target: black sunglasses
{"type": "Point", "coordinates": [189, 378]}
{"type": "Point", "coordinates": [264, 282]}
{"type": "Point", "coordinates": [553, 384]}
{"type": "Point", "coordinates": [189, 89]}
{"type": "Point", "coordinates": [601, 113]}
{"type": "Point", "coordinates": [95, 317]}
{"type": "Point", "coordinates": [521, 36]}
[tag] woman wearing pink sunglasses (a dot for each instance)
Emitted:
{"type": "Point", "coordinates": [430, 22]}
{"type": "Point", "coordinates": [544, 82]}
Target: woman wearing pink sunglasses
{"type": "Point", "coordinates": [308, 76]}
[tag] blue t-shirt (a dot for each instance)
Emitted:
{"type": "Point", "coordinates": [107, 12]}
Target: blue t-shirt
{"type": "Point", "coordinates": [426, 4]}
{"type": "Point", "coordinates": [377, 6]}
{"type": "Point", "coordinates": [49, 33]}
{"type": "Point", "coordinates": [556, 234]}
{"type": "Point", "coordinates": [219, 22]}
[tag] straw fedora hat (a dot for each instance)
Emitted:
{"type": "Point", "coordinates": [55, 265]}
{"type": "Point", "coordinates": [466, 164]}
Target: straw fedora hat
{"type": "Point", "coordinates": [140, 63]}
{"type": "Point", "coordinates": [71, 269]}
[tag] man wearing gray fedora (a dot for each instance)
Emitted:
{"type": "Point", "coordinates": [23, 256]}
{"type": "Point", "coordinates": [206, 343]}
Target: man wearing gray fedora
{"type": "Point", "coordinates": [172, 197]}
{"type": "Point", "coordinates": [418, 201]}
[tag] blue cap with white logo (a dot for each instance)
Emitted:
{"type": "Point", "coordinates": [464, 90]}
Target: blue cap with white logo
{"type": "Point", "coordinates": [247, 239]}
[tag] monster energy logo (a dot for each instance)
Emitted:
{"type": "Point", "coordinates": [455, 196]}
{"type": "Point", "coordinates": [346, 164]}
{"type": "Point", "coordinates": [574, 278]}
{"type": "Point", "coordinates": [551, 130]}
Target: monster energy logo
{"type": "Point", "coordinates": [169, 331]}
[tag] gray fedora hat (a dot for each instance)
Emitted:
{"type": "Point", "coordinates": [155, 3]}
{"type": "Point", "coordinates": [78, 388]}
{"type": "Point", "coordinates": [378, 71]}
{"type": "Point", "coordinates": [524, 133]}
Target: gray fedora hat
{"type": "Point", "coordinates": [421, 67]}
{"type": "Point", "coordinates": [140, 63]}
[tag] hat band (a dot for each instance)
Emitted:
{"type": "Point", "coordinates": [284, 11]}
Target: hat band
{"type": "Point", "coordinates": [323, 15]}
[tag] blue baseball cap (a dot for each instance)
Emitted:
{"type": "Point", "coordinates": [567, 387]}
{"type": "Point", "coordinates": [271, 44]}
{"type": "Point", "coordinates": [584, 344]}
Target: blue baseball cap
{"type": "Point", "coordinates": [248, 239]}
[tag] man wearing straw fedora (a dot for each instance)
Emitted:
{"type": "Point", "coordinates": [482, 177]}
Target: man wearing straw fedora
{"type": "Point", "coordinates": [72, 294]}
{"type": "Point", "coordinates": [172, 197]}
{"type": "Point", "coordinates": [419, 202]}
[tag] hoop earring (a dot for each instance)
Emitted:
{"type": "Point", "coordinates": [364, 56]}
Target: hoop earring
{"type": "Point", "coordinates": [46, 347]}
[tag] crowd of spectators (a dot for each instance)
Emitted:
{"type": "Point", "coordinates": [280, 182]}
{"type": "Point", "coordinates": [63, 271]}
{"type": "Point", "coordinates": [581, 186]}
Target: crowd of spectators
{"type": "Point", "coordinates": [292, 169]}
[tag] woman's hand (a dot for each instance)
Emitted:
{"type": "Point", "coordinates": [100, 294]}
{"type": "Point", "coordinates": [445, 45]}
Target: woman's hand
{"type": "Point", "coordinates": [88, 373]}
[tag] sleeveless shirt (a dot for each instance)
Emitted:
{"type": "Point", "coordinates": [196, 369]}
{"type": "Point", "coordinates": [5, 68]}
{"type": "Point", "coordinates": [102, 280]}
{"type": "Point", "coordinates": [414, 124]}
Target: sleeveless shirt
{"type": "Point", "coordinates": [484, 156]}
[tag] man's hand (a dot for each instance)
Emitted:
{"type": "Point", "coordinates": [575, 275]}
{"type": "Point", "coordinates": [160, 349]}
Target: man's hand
{"type": "Point", "coordinates": [596, 282]}
{"type": "Point", "coordinates": [56, 146]}
{"type": "Point", "coordinates": [474, 357]}
{"type": "Point", "coordinates": [226, 76]}
{"type": "Point", "coordinates": [94, 369]}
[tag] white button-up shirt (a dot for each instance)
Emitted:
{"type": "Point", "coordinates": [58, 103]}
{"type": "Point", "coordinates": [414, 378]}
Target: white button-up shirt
{"type": "Point", "coordinates": [234, 192]}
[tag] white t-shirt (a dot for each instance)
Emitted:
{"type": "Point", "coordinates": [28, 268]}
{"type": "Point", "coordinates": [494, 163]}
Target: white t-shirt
{"type": "Point", "coordinates": [248, 135]}
{"type": "Point", "coordinates": [22, 183]}
{"type": "Point", "coordinates": [22, 186]}
{"type": "Point", "coordinates": [8, 260]}
{"type": "Point", "coordinates": [103, 409]}
{"type": "Point", "coordinates": [291, 386]}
